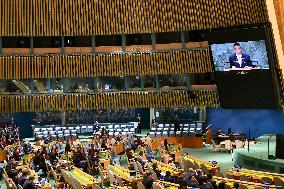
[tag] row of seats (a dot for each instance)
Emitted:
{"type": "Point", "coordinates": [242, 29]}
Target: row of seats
{"type": "Point", "coordinates": [71, 132]}
{"type": "Point", "coordinates": [57, 135]}
{"type": "Point", "coordinates": [192, 125]}
{"type": "Point", "coordinates": [168, 130]}
{"type": "Point", "coordinates": [123, 134]}
{"type": "Point", "coordinates": [172, 134]}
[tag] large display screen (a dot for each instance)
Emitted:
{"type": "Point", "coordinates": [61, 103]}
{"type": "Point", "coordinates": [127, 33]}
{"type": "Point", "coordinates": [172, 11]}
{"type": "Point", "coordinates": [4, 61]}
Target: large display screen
{"type": "Point", "coordinates": [244, 67]}
{"type": "Point", "coordinates": [240, 56]}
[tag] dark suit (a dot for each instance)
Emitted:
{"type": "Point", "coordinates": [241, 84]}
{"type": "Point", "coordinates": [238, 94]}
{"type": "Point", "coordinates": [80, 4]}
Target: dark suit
{"type": "Point", "coordinates": [21, 180]}
{"type": "Point", "coordinates": [245, 61]}
{"type": "Point", "coordinates": [29, 185]}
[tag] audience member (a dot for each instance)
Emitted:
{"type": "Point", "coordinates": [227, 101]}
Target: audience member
{"type": "Point", "coordinates": [29, 184]}
{"type": "Point", "coordinates": [148, 181]}
{"type": "Point", "coordinates": [212, 181]}
{"type": "Point", "coordinates": [168, 177]}
{"type": "Point", "coordinates": [22, 178]}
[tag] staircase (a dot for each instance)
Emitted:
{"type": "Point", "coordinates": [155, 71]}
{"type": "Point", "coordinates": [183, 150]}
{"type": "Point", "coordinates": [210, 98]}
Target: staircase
{"type": "Point", "coordinates": [22, 86]}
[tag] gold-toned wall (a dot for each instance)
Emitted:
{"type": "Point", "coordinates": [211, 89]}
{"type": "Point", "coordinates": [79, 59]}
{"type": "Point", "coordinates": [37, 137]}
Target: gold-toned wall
{"type": "Point", "coordinates": [92, 65]}
{"type": "Point", "coordinates": [120, 100]}
{"type": "Point", "coordinates": [104, 17]}
{"type": "Point", "coordinates": [279, 10]}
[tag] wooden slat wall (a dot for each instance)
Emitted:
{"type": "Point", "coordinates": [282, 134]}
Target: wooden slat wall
{"type": "Point", "coordinates": [123, 100]}
{"type": "Point", "coordinates": [92, 65]}
{"type": "Point", "coordinates": [279, 10]}
{"type": "Point", "coordinates": [105, 17]}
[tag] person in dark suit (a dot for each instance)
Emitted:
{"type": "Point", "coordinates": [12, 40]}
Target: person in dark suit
{"type": "Point", "coordinates": [176, 124]}
{"type": "Point", "coordinates": [139, 126]}
{"type": "Point", "coordinates": [212, 181]}
{"type": "Point", "coordinates": [168, 177]}
{"type": "Point", "coordinates": [239, 59]}
{"type": "Point", "coordinates": [29, 184]}
{"type": "Point", "coordinates": [22, 178]}
{"type": "Point", "coordinates": [148, 181]}
{"type": "Point", "coordinates": [67, 147]}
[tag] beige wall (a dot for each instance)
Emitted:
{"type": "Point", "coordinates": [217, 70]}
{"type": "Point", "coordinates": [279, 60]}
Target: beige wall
{"type": "Point", "coordinates": [279, 10]}
{"type": "Point", "coordinates": [276, 17]}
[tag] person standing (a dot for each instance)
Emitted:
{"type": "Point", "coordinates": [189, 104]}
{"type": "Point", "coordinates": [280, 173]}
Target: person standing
{"type": "Point", "coordinates": [139, 120]}
{"type": "Point", "coordinates": [176, 124]}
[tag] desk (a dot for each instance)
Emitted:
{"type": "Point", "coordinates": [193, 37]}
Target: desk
{"type": "Point", "coordinates": [250, 185]}
{"type": "Point", "coordinates": [186, 142]}
{"type": "Point", "coordinates": [104, 158]}
{"type": "Point", "coordinates": [211, 168]}
{"type": "Point", "coordinates": [164, 184]}
{"type": "Point", "coordinates": [124, 174]}
{"type": "Point", "coordinates": [85, 179]}
{"type": "Point", "coordinates": [255, 176]}
{"type": "Point", "coordinates": [118, 148]}
{"type": "Point", "coordinates": [3, 155]}
{"type": "Point", "coordinates": [176, 151]}
{"type": "Point", "coordinates": [166, 167]}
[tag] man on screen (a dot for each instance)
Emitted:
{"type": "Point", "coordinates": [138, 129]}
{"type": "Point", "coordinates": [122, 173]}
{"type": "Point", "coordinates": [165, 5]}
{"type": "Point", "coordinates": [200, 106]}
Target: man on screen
{"type": "Point", "coordinates": [239, 59]}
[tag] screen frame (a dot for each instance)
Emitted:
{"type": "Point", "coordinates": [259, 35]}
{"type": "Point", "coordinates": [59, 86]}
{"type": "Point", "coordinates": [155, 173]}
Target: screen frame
{"type": "Point", "coordinates": [270, 49]}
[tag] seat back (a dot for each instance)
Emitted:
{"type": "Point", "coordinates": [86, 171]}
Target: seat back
{"type": "Point", "coordinates": [140, 186]}
{"type": "Point", "coordinates": [196, 166]}
{"type": "Point", "coordinates": [266, 180]}
{"type": "Point", "coordinates": [95, 186]}
{"type": "Point", "coordinates": [241, 186]}
{"type": "Point", "coordinates": [204, 169]}
{"type": "Point", "coordinates": [190, 164]}
{"type": "Point", "coordinates": [219, 174]}
{"type": "Point", "coordinates": [227, 186]}
{"type": "Point", "coordinates": [244, 178]}
{"type": "Point", "coordinates": [119, 180]}
{"type": "Point", "coordinates": [278, 182]}
{"type": "Point", "coordinates": [111, 177]}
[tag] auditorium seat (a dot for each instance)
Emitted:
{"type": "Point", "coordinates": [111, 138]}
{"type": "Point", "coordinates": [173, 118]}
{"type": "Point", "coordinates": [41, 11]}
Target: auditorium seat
{"type": "Point", "coordinates": [45, 134]}
{"type": "Point", "coordinates": [165, 134]}
{"type": "Point", "coordinates": [110, 134]}
{"type": "Point", "coordinates": [172, 134]}
{"type": "Point", "coordinates": [67, 135]}
{"type": "Point", "coordinates": [89, 129]}
{"type": "Point", "coordinates": [158, 134]}
{"type": "Point", "coordinates": [57, 129]}
{"type": "Point", "coordinates": [40, 137]}
{"type": "Point", "coordinates": [132, 130]}
{"type": "Point", "coordinates": [60, 135]}
{"type": "Point", "coordinates": [78, 129]}
{"type": "Point", "coordinates": [152, 134]}
{"type": "Point", "coordinates": [84, 129]}
{"type": "Point", "coordinates": [53, 135]}
{"type": "Point", "coordinates": [178, 134]}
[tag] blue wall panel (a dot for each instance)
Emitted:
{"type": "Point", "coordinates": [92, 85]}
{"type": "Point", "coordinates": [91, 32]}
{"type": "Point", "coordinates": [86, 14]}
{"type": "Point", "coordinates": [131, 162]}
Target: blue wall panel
{"type": "Point", "coordinates": [259, 121]}
{"type": "Point", "coordinates": [24, 122]}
